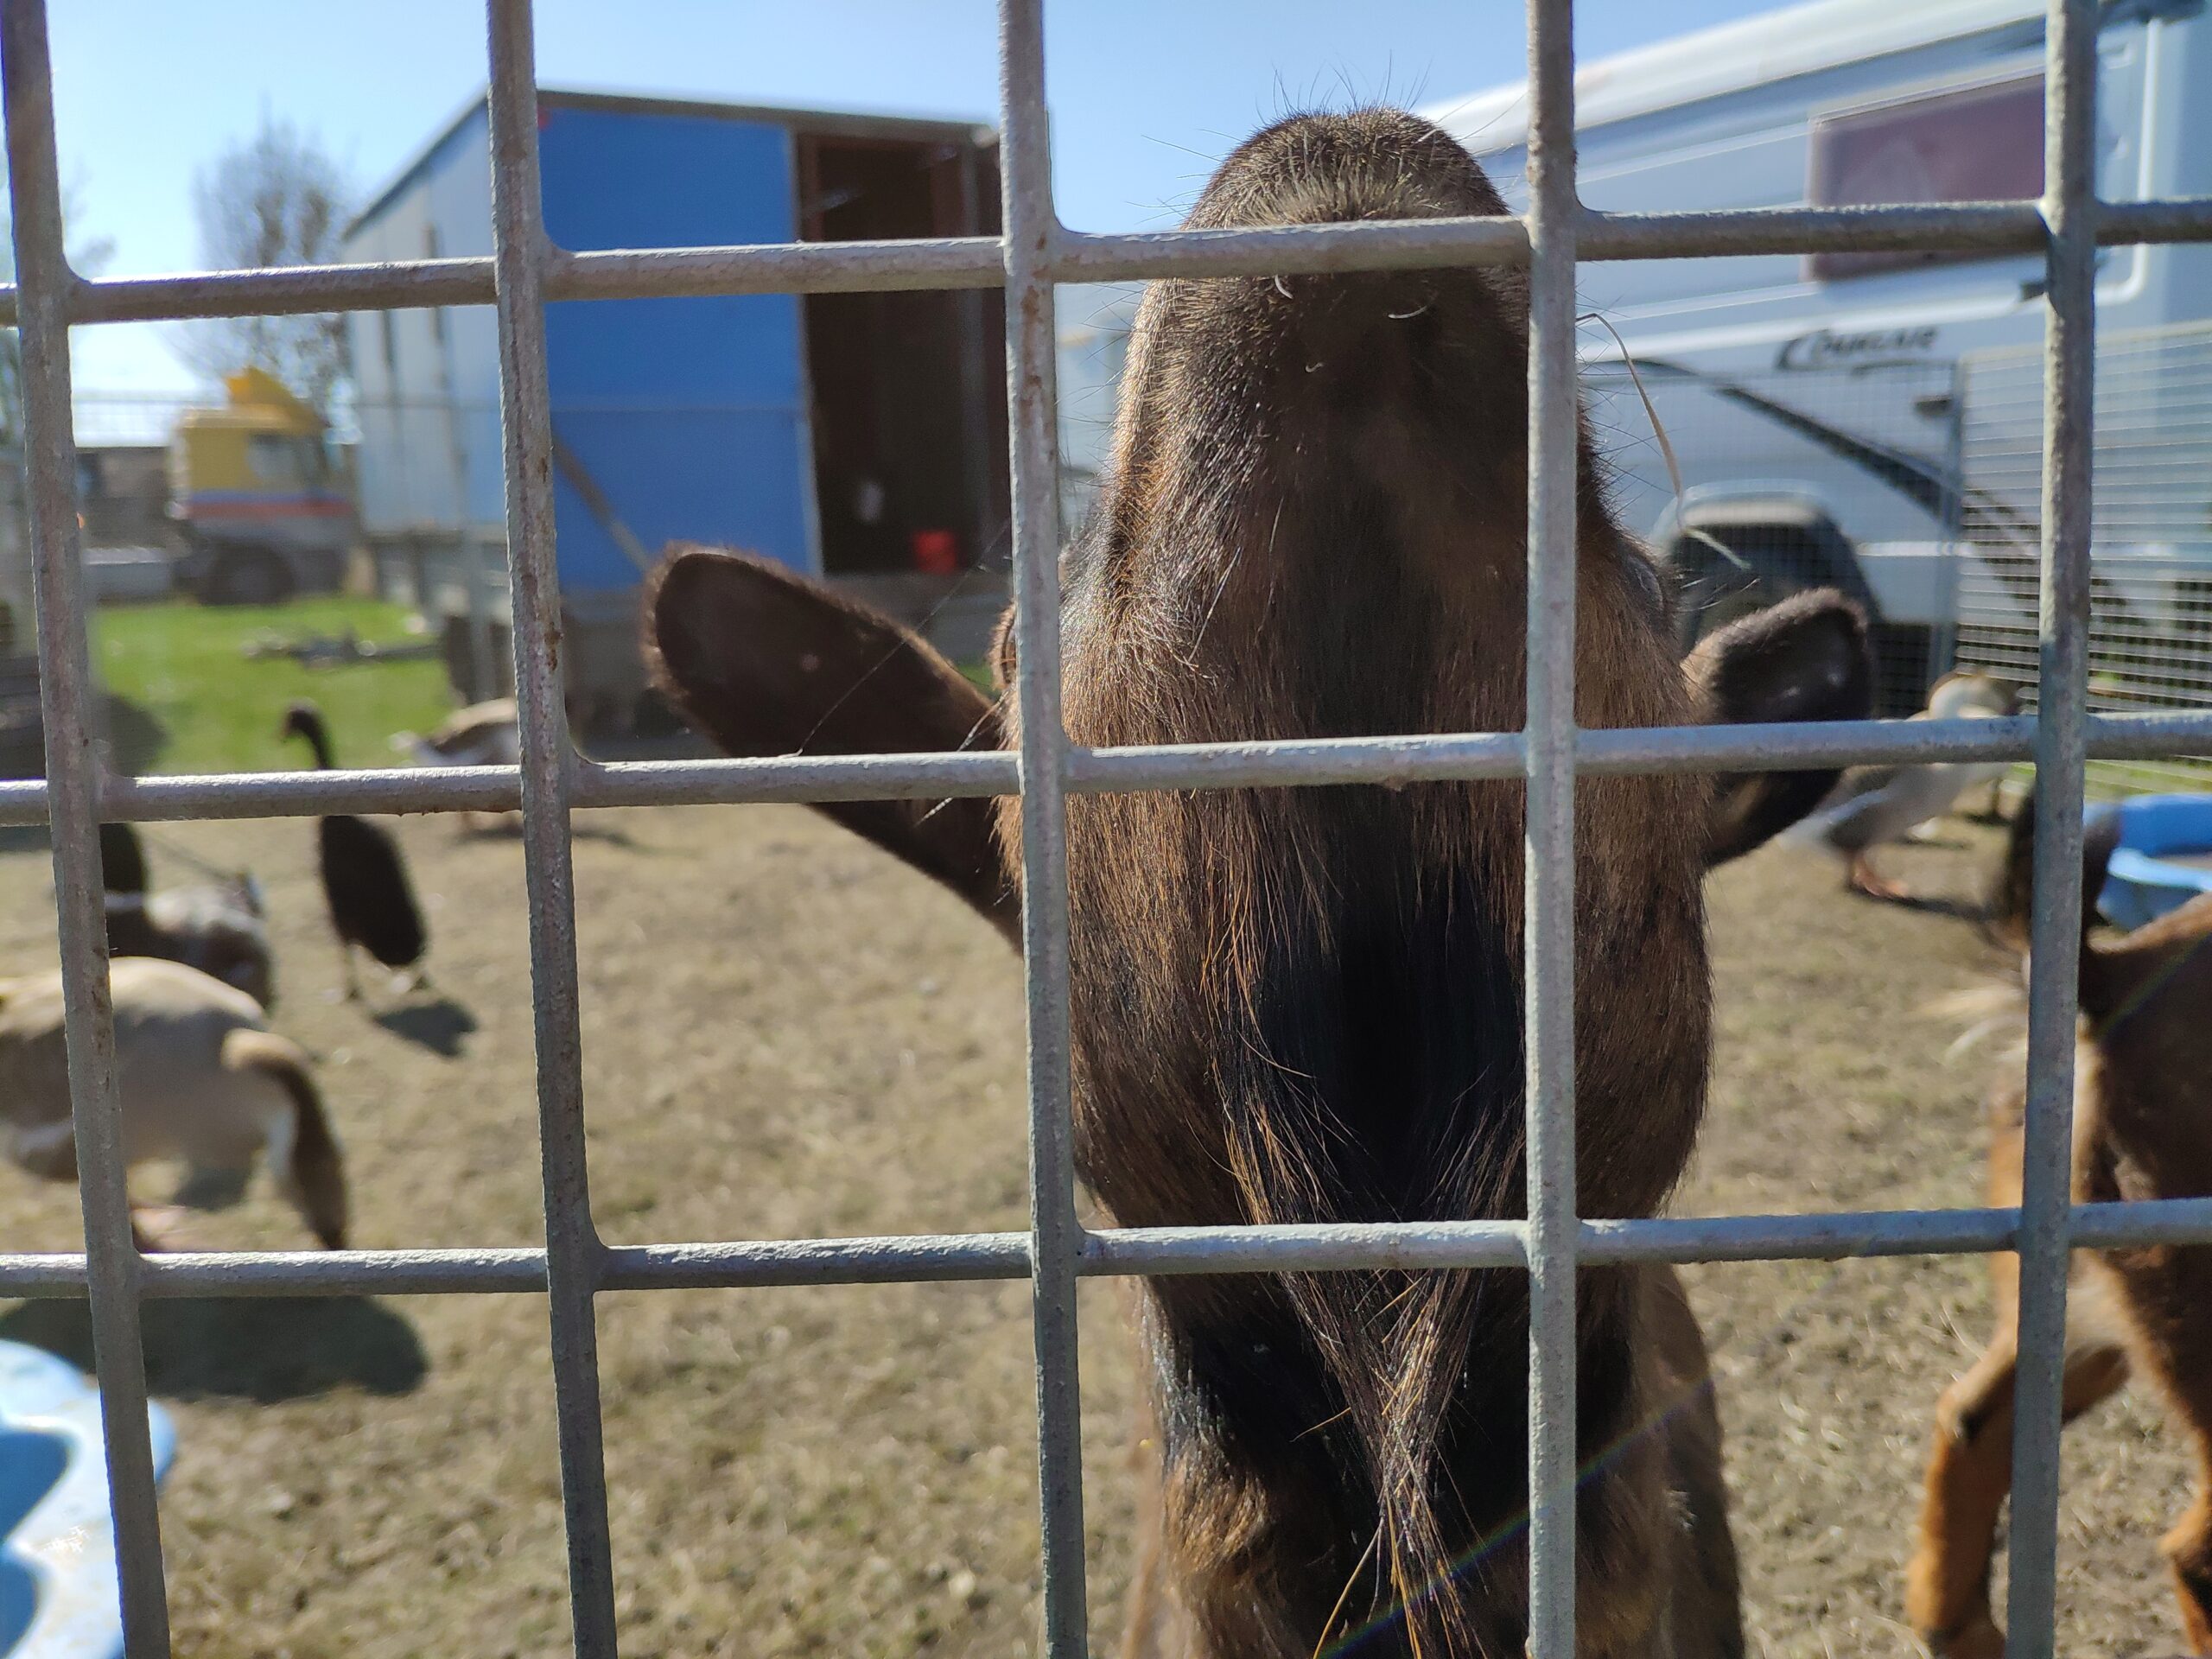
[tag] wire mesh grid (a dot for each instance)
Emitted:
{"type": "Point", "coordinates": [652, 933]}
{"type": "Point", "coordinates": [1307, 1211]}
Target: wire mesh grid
{"type": "Point", "coordinates": [2151, 574]}
{"type": "Point", "coordinates": [1884, 436]}
{"type": "Point", "coordinates": [1034, 254]}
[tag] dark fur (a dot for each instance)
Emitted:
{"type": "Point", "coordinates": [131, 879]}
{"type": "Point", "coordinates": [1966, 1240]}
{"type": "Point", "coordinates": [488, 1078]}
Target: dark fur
{"type": "Point", "coordinates": [2011, 896]}
{"type": "Point", "coordinates": [842, 680]}
{"type": "Point", "coordinates": [1805, 658]}
{"type": "Point", "coordinates": [364, 879]}
{"type": "Point", "coordinates": [1305, 1005]}
{"type": "Point", "coordinates": [2142, 1129]}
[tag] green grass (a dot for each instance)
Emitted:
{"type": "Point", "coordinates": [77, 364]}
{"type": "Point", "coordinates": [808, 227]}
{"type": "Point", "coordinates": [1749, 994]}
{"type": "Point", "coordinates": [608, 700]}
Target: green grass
{"type": "Point", "coordinates": [184, 697]}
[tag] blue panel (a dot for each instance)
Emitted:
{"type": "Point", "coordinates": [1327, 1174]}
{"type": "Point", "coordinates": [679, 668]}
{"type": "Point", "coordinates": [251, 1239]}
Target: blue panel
{"type": "Point", "coordinates": [688, 413]}
{"type": "Point", "coordinates": [710, 475]}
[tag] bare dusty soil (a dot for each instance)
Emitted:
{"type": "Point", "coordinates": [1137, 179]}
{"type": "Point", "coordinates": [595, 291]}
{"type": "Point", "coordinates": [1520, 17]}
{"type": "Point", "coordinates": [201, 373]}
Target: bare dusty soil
{"type": "Point", "coordinates": [786, 1034]}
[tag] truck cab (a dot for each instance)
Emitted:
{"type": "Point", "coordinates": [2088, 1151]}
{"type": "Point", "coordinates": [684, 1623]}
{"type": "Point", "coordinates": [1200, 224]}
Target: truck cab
{"type": "Point", "coordinates": [261, 503]}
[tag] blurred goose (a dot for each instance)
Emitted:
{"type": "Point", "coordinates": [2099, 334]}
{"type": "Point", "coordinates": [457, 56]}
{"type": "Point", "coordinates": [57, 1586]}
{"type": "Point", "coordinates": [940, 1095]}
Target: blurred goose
{"type": "Point", "coordinates": [201, 1078]}
{"type": "Point", "coordinates": [1873, 806]}
{"type": "Point", "coordinates": [482, 734]}
{"type": "Point", "coordinates": [364, 879]}
{"type": "Point", "coordinates": [216, 929]}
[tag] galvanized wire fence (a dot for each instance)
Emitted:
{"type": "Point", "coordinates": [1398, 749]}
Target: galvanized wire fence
{"type": "Point", "coordinates": [1035, 253]}
{"type": "Point", "coordinates": [1883, 438]}
{"type": "Point", "coordinates": [2151, 517]}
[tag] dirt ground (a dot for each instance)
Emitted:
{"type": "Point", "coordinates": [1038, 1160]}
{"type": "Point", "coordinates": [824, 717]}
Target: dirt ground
{"type": "Point", "coordinates": [786, 1034]}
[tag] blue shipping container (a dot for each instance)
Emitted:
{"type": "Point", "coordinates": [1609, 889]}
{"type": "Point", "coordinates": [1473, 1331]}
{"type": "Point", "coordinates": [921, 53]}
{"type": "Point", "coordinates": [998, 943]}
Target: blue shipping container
{"type": "Point", "coordinates": [836, 433]}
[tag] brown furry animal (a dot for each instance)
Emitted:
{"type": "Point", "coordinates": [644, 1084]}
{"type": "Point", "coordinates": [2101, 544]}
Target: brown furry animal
{"type": "Point", "coordinates": [1306, 1004]}
{"type": "Point", "coordinates": [2142, 1129]}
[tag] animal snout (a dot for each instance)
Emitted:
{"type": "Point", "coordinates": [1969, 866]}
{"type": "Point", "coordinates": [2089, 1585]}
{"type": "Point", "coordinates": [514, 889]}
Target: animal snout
{"type": "Point", "coordinates": [1365, 326]}
{"type": "Point", "coordinates": [1434, 347]}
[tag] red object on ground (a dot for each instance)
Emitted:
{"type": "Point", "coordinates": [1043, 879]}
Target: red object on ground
{"type": "Point", "coordinates": [937, 552]}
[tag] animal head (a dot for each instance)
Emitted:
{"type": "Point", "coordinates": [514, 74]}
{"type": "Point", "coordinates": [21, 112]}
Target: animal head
{"type": "Point", "coordinates": [2165, 963]}
{"type": "Point", "coordinates": [1968, 694]}
{"type": "Point", "coordinates": [235, 949]}
{"type": "Point", "coordinates": [302, 719]}
{"type": "Point", "coordinates": [1305, 1004]}
{"type": "Point", "coordinates": [2010, 906]}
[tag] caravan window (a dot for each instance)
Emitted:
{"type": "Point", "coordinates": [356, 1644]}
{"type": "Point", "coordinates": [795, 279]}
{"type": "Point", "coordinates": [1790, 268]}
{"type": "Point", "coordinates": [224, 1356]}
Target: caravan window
{"type": "Point", "coordinates": [1981, 145]}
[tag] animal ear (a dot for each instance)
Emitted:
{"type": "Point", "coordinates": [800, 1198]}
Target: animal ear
{"type": "Point", "coordinates": [766, 663]}
{"type": "Point", "coordinates": [1805, 658]}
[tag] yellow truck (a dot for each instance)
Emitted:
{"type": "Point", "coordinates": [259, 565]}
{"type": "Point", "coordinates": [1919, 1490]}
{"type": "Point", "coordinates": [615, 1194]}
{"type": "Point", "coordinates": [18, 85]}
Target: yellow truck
{"type": "Point", "coordinates": [261, 503]}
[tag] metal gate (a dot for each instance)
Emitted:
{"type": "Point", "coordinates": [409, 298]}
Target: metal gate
{"type": "Point", "coordinates": [1035, 253]}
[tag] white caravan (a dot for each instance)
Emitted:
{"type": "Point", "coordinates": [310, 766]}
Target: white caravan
{"type": "Point", "coordinates": [1872, 420]}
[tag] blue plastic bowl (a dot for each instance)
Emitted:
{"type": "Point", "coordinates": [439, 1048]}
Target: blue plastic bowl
{"type": "Point", "coordinates": [2146, 878]}
{"type": "Point", "coordinates": [59, 1598]}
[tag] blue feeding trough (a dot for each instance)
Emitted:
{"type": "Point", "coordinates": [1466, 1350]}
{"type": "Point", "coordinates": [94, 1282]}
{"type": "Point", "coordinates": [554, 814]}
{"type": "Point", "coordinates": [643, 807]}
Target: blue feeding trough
{"type": "Point", "coordinates": [58, 1598]}
{"type": "Point", "coordinates": [2164, 859]}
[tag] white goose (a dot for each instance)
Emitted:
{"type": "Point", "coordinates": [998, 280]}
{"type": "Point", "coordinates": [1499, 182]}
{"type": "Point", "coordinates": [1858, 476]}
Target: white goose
{"type": "Point", "coordinates": [202, 1079]}
{"type": "Point", "coordinates": [1873, 806]}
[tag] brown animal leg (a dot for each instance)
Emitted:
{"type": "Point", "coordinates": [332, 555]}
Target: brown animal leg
{"type": "Point", "coordinates": [1156, 1625]}
{"type": "Point", "coordinates": [1969, 1472]}
{"type": "Point", "coordinates": [1860, 878]}
{"type": "Point", "coordinates": [2188, 1547]}
{"type": "Point", "coordinates": [1705, 1615]}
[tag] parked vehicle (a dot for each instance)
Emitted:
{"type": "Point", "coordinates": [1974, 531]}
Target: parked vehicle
{"type": "Point", "coordinates": [260, 503]}
{"type": "Point", "coordinates": [1872, 420]}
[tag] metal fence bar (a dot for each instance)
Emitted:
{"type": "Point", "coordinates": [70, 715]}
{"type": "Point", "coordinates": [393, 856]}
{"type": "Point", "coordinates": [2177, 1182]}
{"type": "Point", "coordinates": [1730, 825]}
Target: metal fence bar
{"type": "Point", "coordinates": [572, 1245]}
{"type": "Point", "coordinates": [1117, 1252]}
{"type": "Point", "coordinates": [1056, 1236]}
{"type": "Point", "coordinates": [978, 262]}
{"type": "Point", "coordinates": [66, 696]}
{"type": "Point", "coordinates": [1548, 841]}
{"type": "Point", "coordinates": [1295, 763]}
{"type": "Point", "coordinates": [2070, 172]}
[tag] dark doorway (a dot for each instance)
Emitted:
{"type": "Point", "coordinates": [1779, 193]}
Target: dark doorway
{"type": "Point", "coordinates": [909, 421]}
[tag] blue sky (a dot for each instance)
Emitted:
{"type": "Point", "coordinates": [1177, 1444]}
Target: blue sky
{"type": "Point", "coordinates": [1145, 94]}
